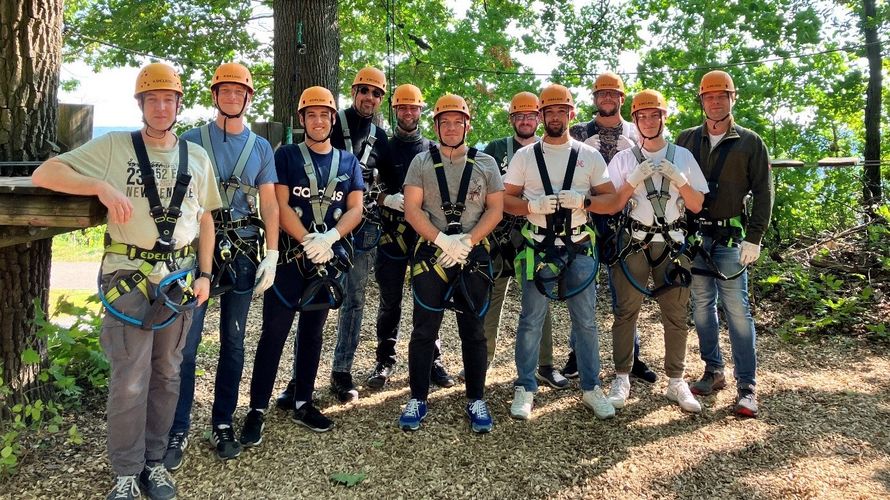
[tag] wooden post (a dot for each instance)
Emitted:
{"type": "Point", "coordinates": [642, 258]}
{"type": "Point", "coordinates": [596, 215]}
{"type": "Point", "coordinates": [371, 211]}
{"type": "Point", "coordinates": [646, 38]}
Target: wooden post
{"type": "Point", "coordinates": [271, 131]}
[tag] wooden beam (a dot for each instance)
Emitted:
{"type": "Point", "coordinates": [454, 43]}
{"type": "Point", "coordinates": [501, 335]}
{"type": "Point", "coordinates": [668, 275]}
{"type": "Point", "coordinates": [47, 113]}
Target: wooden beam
{"type": "Point", "coordinates": [838, 162]}
{"type": "Point", "coordinates": [786, 163]}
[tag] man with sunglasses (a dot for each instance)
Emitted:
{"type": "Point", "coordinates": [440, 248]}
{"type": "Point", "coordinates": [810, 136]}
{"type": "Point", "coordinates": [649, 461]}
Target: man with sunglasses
{"type": "Point", "coordinates": [608, 133]}
{"type": "Point", "coordinates": [356, 132]}
{"type": "Point", "coordinates": [524, 120]}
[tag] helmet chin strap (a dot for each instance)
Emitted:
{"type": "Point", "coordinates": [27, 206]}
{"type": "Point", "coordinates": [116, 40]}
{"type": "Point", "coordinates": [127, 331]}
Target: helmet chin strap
{"type": "Point", "coordinates": [715, 122]}
{"type": "Point", "coordinates": [148, 127]}
{"type": "Point", "coordinates": [226, 116]}
{"type": "Point", "coordinates": [643, 137]}
{"type": "Point", "coordinates": [314, 142]}
{"type": "Point", "coordinates": [463, 136]}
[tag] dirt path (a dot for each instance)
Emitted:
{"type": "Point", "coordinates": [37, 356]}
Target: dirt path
{"type": "Point", "coordinates": [73, 275]}
{"type": "Point", "coordinates": [823, 433]}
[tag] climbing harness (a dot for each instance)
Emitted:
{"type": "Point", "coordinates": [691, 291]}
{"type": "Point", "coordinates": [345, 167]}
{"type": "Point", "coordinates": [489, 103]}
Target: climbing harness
{"type": "Point", "coordinates": [373, 187]}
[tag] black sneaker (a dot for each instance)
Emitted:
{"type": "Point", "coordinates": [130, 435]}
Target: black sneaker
{"type": "Point", "coordinates": [342, 387]}
{"type": "Point", "coordinates": [252, 430]}
{"type": "Point", "coordinates": [380, 376]}
{"type": "Point", "coordinates": [309, 416]}
{"type": "Point", "coordinates": [551, 376]}
{"type": "Point", "coordinates": [156, 482]}
{"type": "Point", "coordinates": [641, 371]}
{"type": "Point", "coordinates": [223, 437]}
{"type": "Point", "coordinates": [175, 454]}
{"type": "Point", "coordinates": [286, 399]}
{"type": "Point", "coordinates": [439, 376]}
{"type": "Point", "coordinates": [710, 382]}
{"type": "Point", "coordinates": [570, 370]}
{"type": "Point", "coordinates": [125, 488]}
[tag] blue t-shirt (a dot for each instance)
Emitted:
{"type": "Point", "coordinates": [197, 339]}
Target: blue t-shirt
{"type": "Point", "coordinates": [289, 164]}
{"type": "Point", "coordinates": [260, 167]}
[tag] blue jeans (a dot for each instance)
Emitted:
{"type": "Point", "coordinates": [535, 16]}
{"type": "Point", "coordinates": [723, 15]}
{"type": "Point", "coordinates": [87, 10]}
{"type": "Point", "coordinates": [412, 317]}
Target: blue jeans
{"type": "Point", "coordinates": [733, 296]}
{"type": "Point", "coordinates": [582, 309]}
{"type": "Point", "coordinates": [233, 307]}
{"type": "Point", "coordinates": [614, 308]}
{"type": "Point", "coordinates": [349, 325]}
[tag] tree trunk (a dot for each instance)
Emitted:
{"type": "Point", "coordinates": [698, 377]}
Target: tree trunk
{"type": "Point", "coordinates": [31, 57]}
{"type": "Point", "coordinates": [872, 177]}
{"type": "Point", "coordinates": [318, 65]}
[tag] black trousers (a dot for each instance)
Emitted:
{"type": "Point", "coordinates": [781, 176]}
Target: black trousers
{"type": "Point", "coordinates": [430, 290]}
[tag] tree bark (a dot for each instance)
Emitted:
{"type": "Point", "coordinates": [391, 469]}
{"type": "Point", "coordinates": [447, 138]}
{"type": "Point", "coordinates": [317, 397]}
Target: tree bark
{"type": "Point", "coordinates": [31, 57]}
{"type": "Point", "coordinates": [319, 65]}
{"type": "Point", "coordinates": [872, 189]}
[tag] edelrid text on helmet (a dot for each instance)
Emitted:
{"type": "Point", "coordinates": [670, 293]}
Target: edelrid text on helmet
{"type": "Point", "coordinates": [370, 76]}
{"type": "Point", "coordinates": [451, 102]}
{"type": "Point", "coordinates": [316, 96]}
{"type": "Point", "coordinates": [407, 95]}
{"type": "Point", "coordinates": [157, 76]}
{"type": "Point", "coordinates": [524, 102]}
{"type": "Point", "coordinates": [556, 94]}
{"type": "Point", "coordinates": [648, 99]}
{"type": "Point", "coordinates": [232, 73]}
{"type": "Point", "coordinates": [716, 81]}
{"type": "Point", "coordinates": [608, 81]}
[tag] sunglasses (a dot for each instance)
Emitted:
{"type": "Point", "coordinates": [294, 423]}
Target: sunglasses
{"type": "Point", "coordinates": [363, 90]}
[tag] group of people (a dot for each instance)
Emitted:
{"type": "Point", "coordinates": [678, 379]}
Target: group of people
{"type": "Point", "coordinates": [220, 213]}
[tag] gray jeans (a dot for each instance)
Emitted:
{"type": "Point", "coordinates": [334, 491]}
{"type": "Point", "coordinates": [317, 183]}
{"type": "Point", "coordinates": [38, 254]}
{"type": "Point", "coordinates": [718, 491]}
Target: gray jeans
{"type": "Point", "coordinates": [144, 385]}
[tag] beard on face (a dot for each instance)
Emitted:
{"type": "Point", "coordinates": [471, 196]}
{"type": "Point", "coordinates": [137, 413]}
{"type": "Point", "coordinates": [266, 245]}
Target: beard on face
{"type": "Point", "coordinates": [555, 130]}
{"type": "Point", "coordinates": [407, 125]}
{"type": "Point", "coordinates": [603, 112]}
{"type": "Point", "coordinates": [523, 135]}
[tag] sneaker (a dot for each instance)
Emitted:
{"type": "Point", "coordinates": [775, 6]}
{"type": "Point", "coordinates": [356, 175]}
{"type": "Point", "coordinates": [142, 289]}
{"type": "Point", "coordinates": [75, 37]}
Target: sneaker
{"type": "Point", "coordinates": [175, 454]}
{"type": "Point", "coordinates": [599, 403]}
{"type": "Point", "coordinates": [710, 382]}
{"type": "Point", "coordinates": [156, 482]}
{"type": "Point", "coordinates": [461, 376]}
{"type": "Point", "coordinates": [342, 387]}
{"type": "Point", "coordinates": [523, 401]}
{"type": "Point", "coordinates": [415, 412]}
{"type": "Point", "coordinates": [252, 430]}
{"type": "Point", "coordinates": [641, 371]}
{"type": "Point", "coordinates": [381, 374]}
{"type": "Point", "coordinates": [126, 488]}
{"type": "Point", "coordinates": [679, 393]}
{"type": "Point", "coordinates": [570, 370]}
{"type": "Point", "coordinates": [619, 392]}
{"type": "Point", "coordinates": [746, 402]}
{"type": "Point", "coordinates": [480, 418]}
{"type": "Point", "coordinates": [551, 376]}
{"type": "Point", "coordinates": [439, 376]}
{"type": "Point", "coordinates": [287, 398]}
{"type": "Point", "coordinates": [309, 417]}
{"type": "Point", "coordinates": [223, 438]}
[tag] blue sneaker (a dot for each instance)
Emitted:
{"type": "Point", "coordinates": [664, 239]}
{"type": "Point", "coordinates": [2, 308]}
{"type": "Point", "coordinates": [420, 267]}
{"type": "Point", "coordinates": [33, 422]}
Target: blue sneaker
{"type": "Point", "coordinates": [480, 418]}
{"type": "Point", "coordinates": [415, 412]}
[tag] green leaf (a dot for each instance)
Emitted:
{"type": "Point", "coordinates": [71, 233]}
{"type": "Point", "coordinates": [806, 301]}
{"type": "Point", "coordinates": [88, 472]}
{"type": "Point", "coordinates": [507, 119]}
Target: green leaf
{"type": "Point", "coordinates": [349, 480]}
{"type": "Point", "coordinates": [53, 428]}
{"type": "Point", "coordinates": [5, 452]}
{"type": "Point", "coordinates": [30, 357]}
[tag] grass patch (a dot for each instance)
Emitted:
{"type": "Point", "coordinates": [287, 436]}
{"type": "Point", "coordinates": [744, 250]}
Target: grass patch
{"type": "Point", "coordinates": [79, 246]}
{"type": "Point", "coordinates": [75, 297]}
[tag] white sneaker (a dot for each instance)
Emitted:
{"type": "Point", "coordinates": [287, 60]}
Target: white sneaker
{"type": "Point", "coordinates": [523, 401]}
{"type": "Point", "coordinates": [619, 392]}
{"type": "Point", "coordinates": [599, 403]}
{"type": "Point", "coordinates": [679, 393]}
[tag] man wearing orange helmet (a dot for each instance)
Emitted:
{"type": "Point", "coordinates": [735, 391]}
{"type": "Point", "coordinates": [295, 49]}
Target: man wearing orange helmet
{"type": "Point", "coordinates": [608, 133]}
{"type": "Point", "coordinates": [159, 192]}
{"type": "Point", "coordinates": [319, 193]}
{"type": "Point", "coordinates": [524, 120]}
{"type": "Point", "coordinates": [398, 238]}
{"type": "Point", "coordinates": [355, 132]}
{"type": "Point", "coordinates": [663, 181]}
{"type": "Point", "coordinates": [453, 200]}
{"type": "Point", "coordinates": [244, 168]}
{"type": "Point", "coordinates": [555, 183]}
{"type": "Point", "coordinates": [735, 162]}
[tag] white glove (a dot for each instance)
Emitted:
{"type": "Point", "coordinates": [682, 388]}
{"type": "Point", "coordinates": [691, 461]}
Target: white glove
{"type": "Point", "coordinates": [544, 205]}
{"type": "Point", "coordinates": [748, 253]}
{"type": "Point", "coordinates": [673, 173]}
{"type": "Point", "coordinates": [323, 257]}
{"type": "Point", "coordinates": [569, 198]}
{"type": "Point", "coordinates": [624, 143]}
{"type": "Point", "coordinates": [594, 141]}
{"type": "Point", "coordinates": [395, 201]}
{"type": "Point", "coordinates": [453, 246]}
{"type": "Point", "coordinates": [642, 172]}
{"type": "Point", "coordinates": [265, 272]}
{"type": "Point", "coordinates": [446, 261]}
{"type": "Point", "coordinates": [319, 244]}
{"type": "Point", "coordinates": [466, 239]}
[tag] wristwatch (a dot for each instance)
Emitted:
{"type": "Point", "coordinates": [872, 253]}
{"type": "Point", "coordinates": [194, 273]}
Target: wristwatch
{"type": "Point", "coordinates": [204, 274]}
{"type": "Point", "coordinates": [587, 201]}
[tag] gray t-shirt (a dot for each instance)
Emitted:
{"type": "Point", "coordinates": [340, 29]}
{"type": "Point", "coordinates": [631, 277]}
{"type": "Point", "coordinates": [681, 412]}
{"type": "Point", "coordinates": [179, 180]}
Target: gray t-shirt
{"type": "Point", "coordinates": [486, 179]}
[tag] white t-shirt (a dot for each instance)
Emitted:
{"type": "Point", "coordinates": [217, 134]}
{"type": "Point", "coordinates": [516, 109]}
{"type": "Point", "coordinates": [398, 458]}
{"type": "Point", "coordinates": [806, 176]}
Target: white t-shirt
{"type": "Point", "coordinates": [715, 139]}
{"type": "Point", "coordinates": [625, 162]}
{"type": "Point", "coordinates": [591, 171]}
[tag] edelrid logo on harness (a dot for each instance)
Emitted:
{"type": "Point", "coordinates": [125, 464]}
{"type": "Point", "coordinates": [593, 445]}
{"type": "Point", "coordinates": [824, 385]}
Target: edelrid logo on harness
{"type": "Point", "coordinates": [306, 192]}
